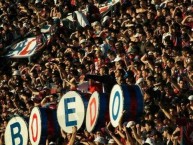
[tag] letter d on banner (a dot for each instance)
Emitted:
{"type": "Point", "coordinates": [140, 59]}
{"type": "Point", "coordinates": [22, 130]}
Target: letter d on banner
{"type": "Point", "coordinates": [16, 132]}
{"type": "Point", "coordinates": [96, 112]}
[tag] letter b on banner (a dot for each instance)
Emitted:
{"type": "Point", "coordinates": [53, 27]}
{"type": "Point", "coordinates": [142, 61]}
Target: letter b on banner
{"type": "Point", "coordinates": [16, 132]}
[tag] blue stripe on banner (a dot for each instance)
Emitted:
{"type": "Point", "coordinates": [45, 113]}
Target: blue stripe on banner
{"type": "Point", "coordinates": [127, 100]}
{"type": "Point", "coordinates": [102, 106]}
{"type": "Point", "coordinates": [138, 103]}
{"type": "Point", "coordinates": [56, 125]}
{"type": "Point", "coordinates": [139, 98]}
{"type": "Point", "coordinates": [44, 122]}
{"type": "Point", "coordinates": [85, 99]}
{"type": "Point", "coordinates": [142, 99]}
{"type": "Point", "coordinates": [133, 102]}
{"type": "Point", "coordinates": [50, 127]}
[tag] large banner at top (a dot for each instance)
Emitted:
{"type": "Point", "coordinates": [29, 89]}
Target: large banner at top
{"type": "Point", "coordinates": [26, 47]}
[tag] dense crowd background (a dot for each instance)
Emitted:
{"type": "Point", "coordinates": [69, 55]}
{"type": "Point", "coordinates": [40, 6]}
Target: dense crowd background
{"type": "Point", "coordinates": [143, 42]}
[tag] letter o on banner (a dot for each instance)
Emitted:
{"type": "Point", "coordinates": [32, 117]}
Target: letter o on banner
{"type": "Point", "coordinates": [71, 111]}
{"type": "Point", "coordinates": [16, 132]}
{"type": "Point", "coordinates": [96, 111]}
{"type": "Point", "coordinates": [116, 105]}
{"type": "Point", "coordinates": [42, 122]}
{"type": "Point", "coordinates": [125, 97]}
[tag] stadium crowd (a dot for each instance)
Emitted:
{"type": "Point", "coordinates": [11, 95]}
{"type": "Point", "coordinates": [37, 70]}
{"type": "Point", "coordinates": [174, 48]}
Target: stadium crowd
{"type": "Point", "coordinates": [143, 42]}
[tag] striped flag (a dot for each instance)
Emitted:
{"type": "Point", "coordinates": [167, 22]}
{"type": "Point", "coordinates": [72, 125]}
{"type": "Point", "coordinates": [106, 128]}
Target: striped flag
{"type": "Point", "coordinates": [26, 47]}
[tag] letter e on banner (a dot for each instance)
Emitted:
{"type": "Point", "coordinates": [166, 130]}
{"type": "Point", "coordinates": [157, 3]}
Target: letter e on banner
{"type": "Point", "coordinates": [70, 111]}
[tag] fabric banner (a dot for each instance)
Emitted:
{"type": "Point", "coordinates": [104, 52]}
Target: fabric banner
{"type": "Point", "coordinates": [26, 47]}
{"type": "Point", "coordinates": [82, 20]}
{"type": "Point", "coordinates": [103, 9]}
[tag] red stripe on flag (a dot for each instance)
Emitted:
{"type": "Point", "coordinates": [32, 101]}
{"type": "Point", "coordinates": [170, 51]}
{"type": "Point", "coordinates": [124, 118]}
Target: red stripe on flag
{"type": "Point", "coordinates": [25, 50]}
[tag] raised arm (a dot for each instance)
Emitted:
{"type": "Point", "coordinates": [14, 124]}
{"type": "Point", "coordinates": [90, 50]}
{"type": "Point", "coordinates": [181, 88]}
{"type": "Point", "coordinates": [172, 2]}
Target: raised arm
{"type": "Point", "coordinates": [129, 140]}
{"type": "Point", "coordinates": [73, 137]}
{"type": "Point", "coordinates": [167, 114]}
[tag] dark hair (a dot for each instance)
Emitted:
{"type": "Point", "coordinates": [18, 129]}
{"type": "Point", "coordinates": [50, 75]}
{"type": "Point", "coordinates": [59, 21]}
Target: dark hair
{"type": "Point", "coordinates": [150, 123]}
{"type": "Point", "coordinates": [151, 78]}
{"type": "Point", "coordinates": [106, 69]}
{"type": "Point", "coordinates": [122, 71]}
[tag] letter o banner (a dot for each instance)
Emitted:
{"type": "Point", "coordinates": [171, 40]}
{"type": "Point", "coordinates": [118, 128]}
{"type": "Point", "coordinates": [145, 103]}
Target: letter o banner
{"type": "Point", "coordinates": [16, 132]}
{"type": "Point", "coordinates": [71, 111]}
{"type": "Point", "coordinates": [35, 126]}
{"type": "Point", "coordinates": [116, 103]}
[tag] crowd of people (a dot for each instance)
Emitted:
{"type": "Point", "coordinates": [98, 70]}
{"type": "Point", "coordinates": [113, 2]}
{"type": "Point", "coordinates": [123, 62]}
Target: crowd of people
{"type": "Point", "coordinates": [136, 42]}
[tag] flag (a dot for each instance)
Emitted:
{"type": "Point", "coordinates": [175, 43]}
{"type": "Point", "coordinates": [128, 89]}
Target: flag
{"type": "Point", "coordinates": [26, 47]}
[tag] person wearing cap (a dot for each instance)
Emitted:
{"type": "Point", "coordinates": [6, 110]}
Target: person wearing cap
{"type": "Point", "coordinates": [16, 80]}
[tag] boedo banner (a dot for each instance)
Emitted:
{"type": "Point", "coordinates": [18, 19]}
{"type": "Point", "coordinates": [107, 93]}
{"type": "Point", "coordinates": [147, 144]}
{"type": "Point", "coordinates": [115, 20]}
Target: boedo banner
{"type": "Point", "coordinates": [125, 97]}
{"type": "Point", "coordinates": [97, 111]}
{"type": "Point", "coordinates": [71, 111]}
{"type": "Point", "coordinates": [16, 132]}
{"type": "Point", "coordinates": [42, 122]}
{"type": "Point", "coordinates": [26, 47]}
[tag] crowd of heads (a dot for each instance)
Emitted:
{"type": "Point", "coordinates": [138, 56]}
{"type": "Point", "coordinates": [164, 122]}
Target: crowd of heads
{"type": "Point", "coordinates": [143, 42]}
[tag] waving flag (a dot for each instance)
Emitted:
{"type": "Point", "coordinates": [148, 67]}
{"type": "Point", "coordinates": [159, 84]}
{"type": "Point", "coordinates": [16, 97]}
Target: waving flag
{"type": "Point", "coordinates": [26, 47]}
